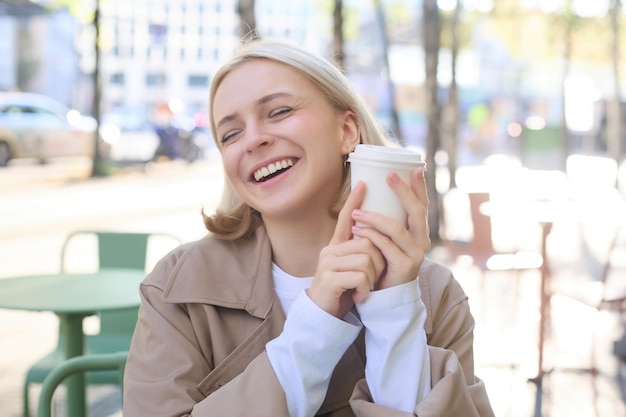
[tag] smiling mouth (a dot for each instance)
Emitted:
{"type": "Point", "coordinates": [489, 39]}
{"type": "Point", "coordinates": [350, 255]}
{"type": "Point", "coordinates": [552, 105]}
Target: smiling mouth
{"type": "Point", "coordinates": [271, 170]}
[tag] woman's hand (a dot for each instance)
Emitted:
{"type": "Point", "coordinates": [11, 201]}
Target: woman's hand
{"type": "Point", "coordinates": [347, 268]}
{"type": "Point", "coordinates": [404, 248]}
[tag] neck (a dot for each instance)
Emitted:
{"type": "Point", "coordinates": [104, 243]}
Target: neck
{"type": "Point", "coordinates": [296, 245]}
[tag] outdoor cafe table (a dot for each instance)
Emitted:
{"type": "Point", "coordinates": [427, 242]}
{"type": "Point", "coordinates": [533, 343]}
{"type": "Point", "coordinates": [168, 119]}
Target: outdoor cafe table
{"type": "Point", "coordinates": [543, 212]}
{"type": "Point", "coordinates": [72, 297]}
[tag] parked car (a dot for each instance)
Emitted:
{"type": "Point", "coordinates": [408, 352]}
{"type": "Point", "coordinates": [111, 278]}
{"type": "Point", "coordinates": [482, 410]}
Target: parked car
{"type": "Point", "coordinates": [129, 134]}
{"type": "Point", "coordinates": [132, 135]}
{"type": "Point", "coordinates": [37, 126]}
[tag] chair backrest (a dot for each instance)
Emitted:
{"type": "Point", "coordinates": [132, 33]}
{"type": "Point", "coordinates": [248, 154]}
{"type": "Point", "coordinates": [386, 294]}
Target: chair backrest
{"type": "Point", "coordinates": [126, 250]}
{"type": "Point", "coordinates": [481, 223]}
{"type": "Point", "coordinates": [78, 364]}
{"type": "Point", "coordinates": [614, 271]}
{"type": "Point", "coordinates": [122, 250]}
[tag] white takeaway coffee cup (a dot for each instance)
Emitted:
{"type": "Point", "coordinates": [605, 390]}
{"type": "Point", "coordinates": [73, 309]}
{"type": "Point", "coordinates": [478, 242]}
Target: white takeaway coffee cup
{"type": "Point", "coordinates": [371, 164]}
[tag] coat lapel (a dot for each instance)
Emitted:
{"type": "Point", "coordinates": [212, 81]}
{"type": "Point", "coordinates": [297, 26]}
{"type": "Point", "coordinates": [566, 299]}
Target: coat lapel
{"type": "Point", "coordinates": [238, 276]}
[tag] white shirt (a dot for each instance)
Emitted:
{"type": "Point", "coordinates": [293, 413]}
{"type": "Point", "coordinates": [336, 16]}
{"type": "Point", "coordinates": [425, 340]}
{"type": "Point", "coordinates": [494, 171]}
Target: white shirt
{"type": "Point", "coordinates": [312, 342]}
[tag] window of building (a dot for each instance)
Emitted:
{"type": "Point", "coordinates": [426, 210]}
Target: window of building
{"type": "Point", "coordinates": [158, 33]}
{"type": "Point", "coordinates": [117, 78]}
{"type": "Point", "coordinates": [198, 81]}
{"type": "Point", "coordinates": [155, 79]}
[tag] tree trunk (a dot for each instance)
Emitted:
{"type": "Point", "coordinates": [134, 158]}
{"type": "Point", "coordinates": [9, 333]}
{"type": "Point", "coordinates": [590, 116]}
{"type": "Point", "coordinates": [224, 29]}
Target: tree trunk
{"type": "Point", "coordinates": [247, 19]}
{"type": "Point", "coordinates": [395, 121]}
{"type": "Point", "coordinates": [96, 167]}
{"type": "Point", "coordinates": [338, 55]}
{"type": "Point", "coordinates": [431, 34]}
{"type": "Point", "coordinates": [567, 56]}
{"type": "Point", "coordinates": [451, 124]}
{"type": "Point", "coordinates": [614, 115]}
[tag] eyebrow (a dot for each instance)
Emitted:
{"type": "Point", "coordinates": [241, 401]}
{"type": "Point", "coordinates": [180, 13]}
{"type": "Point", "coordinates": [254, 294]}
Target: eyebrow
{"type": "Point", "coordinates": [262, 100]}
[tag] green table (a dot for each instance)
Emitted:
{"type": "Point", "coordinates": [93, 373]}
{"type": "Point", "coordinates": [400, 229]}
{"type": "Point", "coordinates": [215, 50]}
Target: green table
{"type": "Point", "coordinates": [72, 297]}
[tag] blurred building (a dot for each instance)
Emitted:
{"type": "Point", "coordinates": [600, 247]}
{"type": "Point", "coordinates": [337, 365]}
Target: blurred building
{"type": "Point", "coordinates": [38, 52]}
{"type": "Point", "coordinates": [14, 18]}
{"type": "Point", "coordinates": [7, 51]}
{"type": "Point", "coordinates": [156, 50]}
{"type": "Point", "coordinates": [151, 51]}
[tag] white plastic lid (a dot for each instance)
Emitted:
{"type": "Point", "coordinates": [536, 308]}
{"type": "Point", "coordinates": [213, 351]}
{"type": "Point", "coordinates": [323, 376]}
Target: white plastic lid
{"type": "Point", "coordinates": [386, 155]}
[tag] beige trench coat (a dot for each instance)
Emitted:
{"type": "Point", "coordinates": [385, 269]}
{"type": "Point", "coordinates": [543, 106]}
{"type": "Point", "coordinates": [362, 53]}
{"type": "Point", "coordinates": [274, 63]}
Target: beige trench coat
{"type": "Point", "coordinates": [208, 309]}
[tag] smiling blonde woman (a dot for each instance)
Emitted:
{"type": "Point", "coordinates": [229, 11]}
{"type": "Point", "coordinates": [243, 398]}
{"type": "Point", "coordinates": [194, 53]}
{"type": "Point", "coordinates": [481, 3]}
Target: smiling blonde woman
{"type": "Point", "coordinates": [279, 310]}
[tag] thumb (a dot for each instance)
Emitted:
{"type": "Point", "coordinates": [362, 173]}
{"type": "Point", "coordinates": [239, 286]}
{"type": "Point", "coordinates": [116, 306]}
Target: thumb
{"type": "Point", "coordinates": [343, 230]}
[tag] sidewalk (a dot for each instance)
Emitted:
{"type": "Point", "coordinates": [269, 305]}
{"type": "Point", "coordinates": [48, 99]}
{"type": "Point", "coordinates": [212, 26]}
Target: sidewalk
{"type": "Point", "coordinates": [505, 307]}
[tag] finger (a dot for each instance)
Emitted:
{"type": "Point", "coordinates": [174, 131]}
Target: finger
{"type": "Point", "coordinates": [404, 191]}
{"type": "Point", "coordinates": [333, 293]}
{"type": "Point", "coordinates": [410, 240]}
{"type": "Point", "coordinates": [374, 248]}
{"type": "Point", "coordinates": [393, 241]}
{"type": "Point", "coordinates": [419, 220]}
{"type": "Point", "coordinates": [343, 228]}
{"type": "Point", "coordinates": [361, 292]}
{"type": "Point", "coordinates": [364, 249]}
{"type": "Point", "coordinates": [414, 199]}
{"type": "Point", "coordinates": [403, 254]}
{"type": "Point", "coordinates": [418, 185]}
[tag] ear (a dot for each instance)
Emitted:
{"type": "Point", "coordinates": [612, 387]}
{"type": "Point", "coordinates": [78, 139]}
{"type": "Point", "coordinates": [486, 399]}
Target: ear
{"type": "Point", "coordinates": [351, 133]}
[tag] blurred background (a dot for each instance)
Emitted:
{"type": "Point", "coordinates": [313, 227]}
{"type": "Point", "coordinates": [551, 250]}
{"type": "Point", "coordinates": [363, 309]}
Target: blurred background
{"type": "Point", "coordinates": [516, 104]}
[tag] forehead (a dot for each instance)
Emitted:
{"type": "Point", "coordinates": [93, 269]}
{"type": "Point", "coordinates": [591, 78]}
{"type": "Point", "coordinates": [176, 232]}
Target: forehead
{"type": "Point", "coordinates": [253, 79]}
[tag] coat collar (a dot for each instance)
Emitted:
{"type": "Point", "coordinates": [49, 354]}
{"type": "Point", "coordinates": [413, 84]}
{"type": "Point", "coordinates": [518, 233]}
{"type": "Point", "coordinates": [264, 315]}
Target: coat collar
{"type": "Point", "coordinates": [228, 274]}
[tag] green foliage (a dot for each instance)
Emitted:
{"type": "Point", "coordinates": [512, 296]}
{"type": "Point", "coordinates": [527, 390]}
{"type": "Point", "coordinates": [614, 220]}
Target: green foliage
{"type": "Point", "coordinates": [83, 10]}
{"type": "Point", "coordinates": [397, 11]}
{"type": "Point", "coordinates": [350, 17]}
{"type": "Point", "coordinates": [531, 34]}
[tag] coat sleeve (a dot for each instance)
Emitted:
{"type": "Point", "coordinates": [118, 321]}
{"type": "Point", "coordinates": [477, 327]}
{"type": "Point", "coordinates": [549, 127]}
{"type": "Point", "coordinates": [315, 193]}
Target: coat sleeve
{"type": "Point", "coordinates": [456, 391]}
{"type": "Point", "coordinates": [168, 374]}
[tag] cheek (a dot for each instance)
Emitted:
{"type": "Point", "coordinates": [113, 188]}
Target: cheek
{"type": "Point", "coordinates": [230, 162]}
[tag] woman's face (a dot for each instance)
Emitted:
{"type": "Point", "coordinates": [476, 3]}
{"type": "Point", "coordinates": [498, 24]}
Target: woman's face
{"type": "Point", "coordinates": [282, 141]}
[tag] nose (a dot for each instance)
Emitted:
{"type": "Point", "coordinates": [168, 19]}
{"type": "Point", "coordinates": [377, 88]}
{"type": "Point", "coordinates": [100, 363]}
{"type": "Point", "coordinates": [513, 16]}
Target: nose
{"type": "Point", "coordinates": [255, 138]}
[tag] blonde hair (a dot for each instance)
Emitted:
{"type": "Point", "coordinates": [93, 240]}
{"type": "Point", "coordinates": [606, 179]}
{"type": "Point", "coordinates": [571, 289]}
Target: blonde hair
{"type": "Point", "coordinates": [234, 219]}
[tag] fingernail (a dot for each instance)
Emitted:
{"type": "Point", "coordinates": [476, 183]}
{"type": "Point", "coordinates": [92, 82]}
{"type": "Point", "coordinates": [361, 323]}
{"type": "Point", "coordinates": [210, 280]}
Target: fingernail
{"type": "Point", "coordinates": [358, 185]}
{"type": "Point", "coordinates": [357, 213]}
{"type": "Point", "coordinates": [394, 178]}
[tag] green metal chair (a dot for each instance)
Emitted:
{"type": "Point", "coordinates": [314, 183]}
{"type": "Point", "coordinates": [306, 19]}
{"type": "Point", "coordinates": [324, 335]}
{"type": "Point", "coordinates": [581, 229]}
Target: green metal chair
{"type": "Point", "coordinates": [126, 250]}
{"type": "Point", "coordinates": [94, 364]}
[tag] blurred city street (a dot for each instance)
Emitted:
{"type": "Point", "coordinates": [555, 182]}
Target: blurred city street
{"type": "Point", "coordinates": [39, 205]}
{"type": "Point", "coordinates": [525, 98]}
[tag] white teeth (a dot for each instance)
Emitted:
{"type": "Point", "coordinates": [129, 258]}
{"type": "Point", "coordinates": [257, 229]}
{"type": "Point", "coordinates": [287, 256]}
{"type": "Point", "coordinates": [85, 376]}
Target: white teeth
{"type": "Point", "coordinates": [272, 168]}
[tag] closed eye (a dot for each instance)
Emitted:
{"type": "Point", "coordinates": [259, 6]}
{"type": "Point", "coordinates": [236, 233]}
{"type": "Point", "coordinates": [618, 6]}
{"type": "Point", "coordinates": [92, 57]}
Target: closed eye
{"type": "Point", "coordinates": [280, 111]}
{"type": "Point", "coordinates": [228, 136]}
